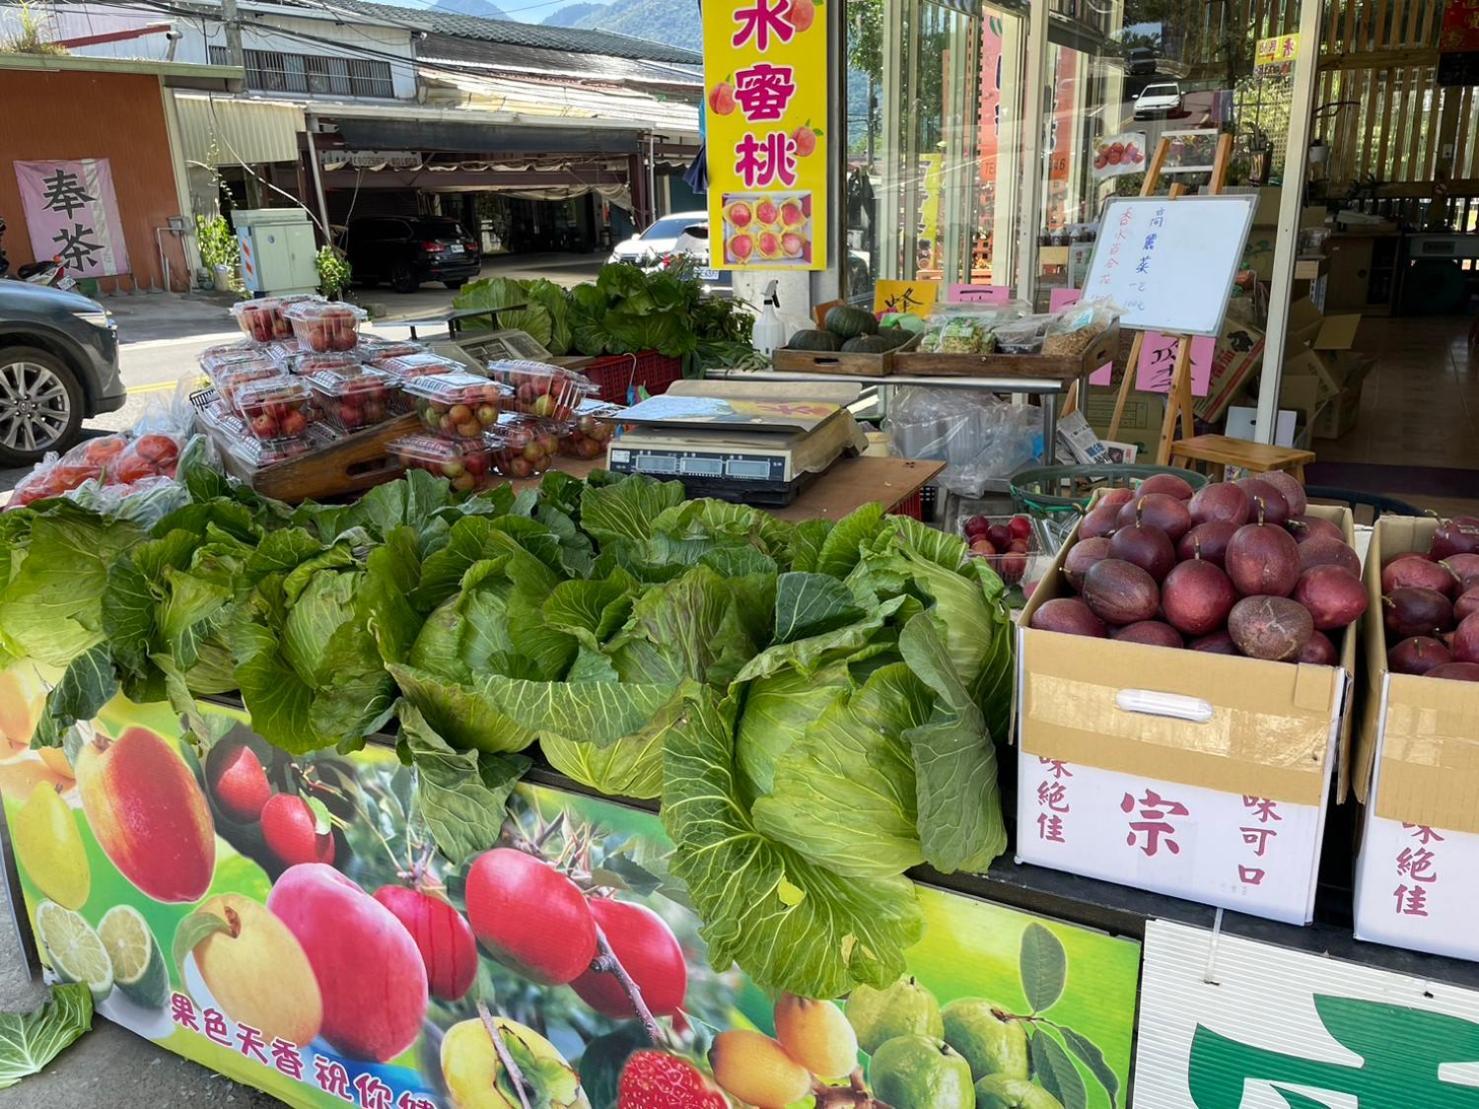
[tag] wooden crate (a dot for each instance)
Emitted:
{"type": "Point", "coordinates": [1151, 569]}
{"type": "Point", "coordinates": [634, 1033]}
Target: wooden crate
{"type": "Point", "coordinates": [1102, 350]}
{"type": "Point", "coordinates": [346, 467]}
{"type": "Point", "coordinates": [845, 363]}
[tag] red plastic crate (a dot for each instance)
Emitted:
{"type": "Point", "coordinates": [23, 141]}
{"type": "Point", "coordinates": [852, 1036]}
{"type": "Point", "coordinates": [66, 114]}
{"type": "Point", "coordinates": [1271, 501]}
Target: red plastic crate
{"type": "Point", "coordinates": [911, 506]}
{"type": "Point", "coordinates": [614, 374]}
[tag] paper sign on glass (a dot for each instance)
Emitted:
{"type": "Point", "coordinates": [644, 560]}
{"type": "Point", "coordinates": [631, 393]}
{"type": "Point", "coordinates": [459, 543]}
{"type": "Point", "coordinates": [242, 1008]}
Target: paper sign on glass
{"type": "Point", "coordinates": [1158, 358]}
{"type": "Point", "coordinates": [979, 294]}
{"type": "Point", "coordinates": [916, 297]}
{"type": "Point", "coordinates": [1061, 298]}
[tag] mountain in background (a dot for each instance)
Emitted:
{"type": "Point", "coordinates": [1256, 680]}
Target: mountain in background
{"type": "Point", "coordinates": [674, 22]}
{"type": "Point", "coordinates": [483, 9]}
{"type": "Point", "coordinates": [573, 15]}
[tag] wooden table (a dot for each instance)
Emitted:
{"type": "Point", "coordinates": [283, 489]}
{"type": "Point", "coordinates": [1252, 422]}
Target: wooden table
{"type": "Point", "coordinates": [848, 485]}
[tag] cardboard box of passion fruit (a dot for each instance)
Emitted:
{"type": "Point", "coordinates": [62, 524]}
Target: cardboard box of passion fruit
{"type": "Point", "coordinates": [1197, 775]}
{"type": "Point", "coordinates": [1417, 772]}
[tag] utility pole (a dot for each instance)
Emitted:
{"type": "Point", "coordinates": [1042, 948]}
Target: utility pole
{"type": "Point", "coordinates": [233, 33]}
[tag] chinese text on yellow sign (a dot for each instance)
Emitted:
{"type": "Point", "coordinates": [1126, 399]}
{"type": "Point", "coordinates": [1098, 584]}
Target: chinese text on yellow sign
{"type": "Point", "coordinates": [765, 70]}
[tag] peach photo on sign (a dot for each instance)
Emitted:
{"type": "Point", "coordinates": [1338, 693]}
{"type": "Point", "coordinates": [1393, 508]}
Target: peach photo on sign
{"type": "Point", "coordinates": [739, 214]}
{"type": "Point", "coordinates": [769, 243]}
{"type": "Point", "coordinates": [791, 213]}
{"type": "Point", "coordinates": [767, 212]}
{"type": "Point", "coordinates": [792, 244]}
{"type": "Point", "coordinates": [740, 248]}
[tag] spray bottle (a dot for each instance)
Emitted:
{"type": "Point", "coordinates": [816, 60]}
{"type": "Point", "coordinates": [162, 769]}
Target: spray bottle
{"type": "Point", "coordinates": [768, 332]}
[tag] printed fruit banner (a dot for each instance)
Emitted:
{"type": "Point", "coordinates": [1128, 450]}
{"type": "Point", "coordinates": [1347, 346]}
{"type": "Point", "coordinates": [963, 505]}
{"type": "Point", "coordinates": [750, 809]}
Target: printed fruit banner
{"type": "Point", "coordinates": [765, 71]}
{"type": "Point", "coordinates": [286, 922]}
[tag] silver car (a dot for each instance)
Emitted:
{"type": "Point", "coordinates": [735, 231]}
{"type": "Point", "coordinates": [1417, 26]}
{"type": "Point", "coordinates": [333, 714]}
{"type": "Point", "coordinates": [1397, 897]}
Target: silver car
{"type": "Point", "coordinates": [58, 367]}
{"type": "Point", "coordinates": [652, 246]}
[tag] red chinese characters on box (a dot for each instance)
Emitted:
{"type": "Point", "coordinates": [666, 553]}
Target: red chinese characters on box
{"type": "Point", "coordinates": [1052, 800]}
{"type": "Point", "coordinates": [1417, 870]}
{"type": "Point", "coordinates": [1256, 837]}
{"type": "Point", "coordinates": [1150, 827]}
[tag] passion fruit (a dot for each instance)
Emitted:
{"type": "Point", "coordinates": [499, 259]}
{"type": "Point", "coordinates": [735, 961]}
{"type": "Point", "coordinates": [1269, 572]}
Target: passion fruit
{"type": "Point", "coordinates": [1262, 560]}
{"type": "Point", "coordinates": [1417, 655]}
{"type": "Point", "coordinates": [1269, 504]}
{"type": "Point", "coordinates": [1411, 610]}
{"type": "Point", "coordinates": [1080, 557]}
{"type": "Point", "coordinates": [1456, 671]}
{"type": "Point", "coordinates": [1218, 643]}
{"type": "Point", "coordinates": [1289, 487]}
{"type": "Point", "coordinates": [1417, 572]}
{"type": "Point", "coordinates": [1464, 642]}
{"type": "Point", "coordinates": [1147, 547]}
{"type": "Point", "coordinates": [1457, 536]}
{"type": "Point", "coordinates": [1207, 541]}
{"type": "Point", "coordinates": [1120, 593]}
{"type": "Point", "coordinates": [1197, 597]}
{"type": "Point", "coordinates": [1169, 484]}
{"type": "Point", "coordinates": [1334, 596]}
{"type": "Point", "coordinates": [1322, 550]}
{"type": "Point", "coordinates": [1068, 615]}
{"type": "Point", "coordinates": [1101, 521]}
{"type": "Point", "coordinates": [1305, 528]}
{"type": "Point", "coordinates": [1222, 500]}
{"type": "Point", "coordinates": [1319, 650]}
{"type": "Point", "coordinates": [1159, 510]}
{"type": "Point", "coordinates": [1270, 627]}
{"type": "Point", "coordinates": [1152, 632]}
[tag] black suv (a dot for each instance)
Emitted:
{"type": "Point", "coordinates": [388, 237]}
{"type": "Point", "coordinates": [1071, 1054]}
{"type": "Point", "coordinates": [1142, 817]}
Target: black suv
{"type": "Point", "coordinates": [408, 250]}
{"type": "Point", "coordinates": [58, 366]}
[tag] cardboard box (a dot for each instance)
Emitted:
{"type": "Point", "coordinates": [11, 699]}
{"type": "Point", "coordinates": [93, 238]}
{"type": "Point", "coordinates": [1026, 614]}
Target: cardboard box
{"type": "Point", "coordinates": [1197, 775]}
{"type": "Point", "coordinates": [1140, 424]}
{"type": "Point", "coordinates": [1237, 357]}
{"type": "Point", "coordinates": [1417, 772]}
{"type": "Point", "coordinates": [1242, 423]}
{"type": "Point", "coordinates": [1339, 416]}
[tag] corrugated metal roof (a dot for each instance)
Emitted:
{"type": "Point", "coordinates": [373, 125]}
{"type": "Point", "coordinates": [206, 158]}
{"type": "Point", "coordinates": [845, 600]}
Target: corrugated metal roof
{"type": "Point", "coordinates": [524, 59]}
{"type": "Point", "coordinates": [501, 93]}
{"type": "Point", "coordinates": [572, 40]}
{"type": "Point", "coordinates": [250, 130]}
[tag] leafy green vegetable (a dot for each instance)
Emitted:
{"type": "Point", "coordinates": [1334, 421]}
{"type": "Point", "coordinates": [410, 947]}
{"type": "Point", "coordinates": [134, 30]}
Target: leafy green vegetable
{"type": "Point", "coordinates": [790, 923]}
{"type": "Point", "coordinates": [28, 1041]}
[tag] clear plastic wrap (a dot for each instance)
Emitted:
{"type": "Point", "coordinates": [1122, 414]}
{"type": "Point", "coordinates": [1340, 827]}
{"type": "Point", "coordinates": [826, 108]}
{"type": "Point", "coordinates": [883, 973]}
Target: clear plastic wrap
{"type": "Point", "coordinates": [590, 430]}
{"type": "Point", "coordinates": [466, 463]}
{"type": "Point", "coordinates": [977, 436]}
{"type": "Point", "coordinates": [967, 328]}
{"type": "Point", "coordinates": [265, 318]}
{"type": "Point", "coordinates": [414, 364]}
{"type": "Point", "coordinates": [352, 401]}
{"type": "Point", "coordinates": [276, 408]}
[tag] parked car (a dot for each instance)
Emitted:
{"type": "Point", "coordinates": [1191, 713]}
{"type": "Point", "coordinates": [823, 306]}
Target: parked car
{"type": "Point", "coordinates": [58, 367]}
{"type": "Point", "coordinates": [1158, 100]}
{"type": "Point", "coordinates": [409, 250]}
{"type": "Point", "coordinates": [692, 244]}
{"type": "Point", "coordinates": [1140, 61]}
{"type": "Point", "coordinates": [649, 248]}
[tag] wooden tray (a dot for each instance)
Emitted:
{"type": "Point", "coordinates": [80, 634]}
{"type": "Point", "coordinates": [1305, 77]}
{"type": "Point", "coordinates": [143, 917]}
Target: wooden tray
{"type": "Point", "coordinates": [840, 362]}
{"type": "Point", "coordinates": [348, 466]}
{"type": "Point", "coordinates": [1105, 348]}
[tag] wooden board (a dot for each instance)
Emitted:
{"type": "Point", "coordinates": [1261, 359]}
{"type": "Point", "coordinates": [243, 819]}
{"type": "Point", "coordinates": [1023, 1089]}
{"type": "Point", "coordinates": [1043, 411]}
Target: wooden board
{"type": "Point", "coordinates": [1104, 348]}
{"type": "Point", "coordinates": [834, 362]}
{"type": "Point", "coordinates": [350, 466]}
{"type": "Point", "coordinates": [848, 485]}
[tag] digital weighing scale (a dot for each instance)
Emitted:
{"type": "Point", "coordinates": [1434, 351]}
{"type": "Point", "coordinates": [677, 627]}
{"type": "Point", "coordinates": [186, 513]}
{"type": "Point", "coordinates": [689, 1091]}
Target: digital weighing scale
{"type": "Point", "coordinates": [750, 451]}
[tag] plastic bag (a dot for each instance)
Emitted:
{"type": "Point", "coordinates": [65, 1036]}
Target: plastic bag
{"type": "Point", "coordinates": [1073, 329]}
{"type": "Point", "coordinates": [1023, 336]}
{"type": "Point", "coordinates": [966, 328]}
{"type": "Point", "coordinates": [977, 436]}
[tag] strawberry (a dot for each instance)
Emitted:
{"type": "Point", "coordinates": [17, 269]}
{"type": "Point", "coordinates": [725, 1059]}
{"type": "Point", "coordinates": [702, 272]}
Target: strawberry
{"type": "Point", "coordinates": [657, 1080]}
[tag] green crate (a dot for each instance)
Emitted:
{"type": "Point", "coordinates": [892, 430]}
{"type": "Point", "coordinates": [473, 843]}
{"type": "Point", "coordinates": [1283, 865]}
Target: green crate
{"type": "Point", "coordinates": [1054, 490]}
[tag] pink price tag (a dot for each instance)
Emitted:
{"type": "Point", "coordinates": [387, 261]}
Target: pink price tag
{"type": "Point", "coordinates": [980, 294]}
{"type": "Point", "coordinates": [1062, 298]}
{"type": "Point", "coordinates": [1158, 358]}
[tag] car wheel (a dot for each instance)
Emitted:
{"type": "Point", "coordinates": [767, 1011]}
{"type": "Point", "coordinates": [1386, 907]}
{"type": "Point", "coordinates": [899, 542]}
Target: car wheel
{"type": "Point", "coordinates": [41, 403]}
{"type": "Point", "coordinates": [456, 283]}
{"type": "Point", "coordinates": [403, 280]}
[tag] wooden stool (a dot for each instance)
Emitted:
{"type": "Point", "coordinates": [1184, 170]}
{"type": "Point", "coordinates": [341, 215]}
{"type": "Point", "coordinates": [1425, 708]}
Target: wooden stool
{"type": "Point", "coordinates": [1220, 452]}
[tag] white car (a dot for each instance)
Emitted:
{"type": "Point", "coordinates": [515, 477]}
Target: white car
{"type": "Point", "coordinates": [1158, 100]}
{"type": "Point", "coordinates": [650, 247]}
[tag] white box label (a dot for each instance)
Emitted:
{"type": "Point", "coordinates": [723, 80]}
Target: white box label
{"type": "Point", "coordinates": [1418, 887]}
{"type": "Point", "coordinates": [1245, 853]}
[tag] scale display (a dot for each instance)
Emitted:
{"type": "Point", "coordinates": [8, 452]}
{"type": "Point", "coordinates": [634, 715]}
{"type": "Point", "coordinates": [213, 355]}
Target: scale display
{"type": "Point", "coordinates": [677, 463]}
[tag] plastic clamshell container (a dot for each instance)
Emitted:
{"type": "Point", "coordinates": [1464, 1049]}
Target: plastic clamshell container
{"type": "Point", "coordinates": [276, 407]}
{"type": "Point", "coordinates": [373, 348]}
{"type": "Point", "coordinates": [255, 454]}
{"type": "Point", "coordinates": [524, 445]}
{"type": "Point", "coordinates": [549, 392]}
{"type": "Point", "coordinates": [413, 364]}
{"type": "Point", "coordinates": [231, 354]}
{"type": "Point", "coordinates": [285, 353]}
{"type": "Point", "coordinates": [458, 405]}
{"type": "Point", "coordinates": [466, 463]}
{"type": "Point", "coordinates": [352, 401]}
{"type": "Point", "coordinates": [230, 380]}
{"type": "Point", "coordinates": [591, 429]}
{"type": "Point", "coordinates": [265, 319]}
{"type": "Point", "coordinates": [335, 362]}
{"type": "Point", "coordinates": [321, 325]}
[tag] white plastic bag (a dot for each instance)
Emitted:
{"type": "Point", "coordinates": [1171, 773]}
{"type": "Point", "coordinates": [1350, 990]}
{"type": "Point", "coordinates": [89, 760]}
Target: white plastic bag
{"type": "Point", "coordinates": [976, 435]}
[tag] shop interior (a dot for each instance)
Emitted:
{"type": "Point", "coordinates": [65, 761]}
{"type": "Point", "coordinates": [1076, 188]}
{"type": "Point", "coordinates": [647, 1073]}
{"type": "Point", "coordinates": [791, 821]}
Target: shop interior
{"type": "Point", "coordinates": [984, 139]}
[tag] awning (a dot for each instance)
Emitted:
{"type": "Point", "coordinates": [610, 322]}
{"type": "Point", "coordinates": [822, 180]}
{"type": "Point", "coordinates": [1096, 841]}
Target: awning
{"type": "Point", "coordinates": [227, 131]}
{"type": "Point", "coordinates": [482, 138]}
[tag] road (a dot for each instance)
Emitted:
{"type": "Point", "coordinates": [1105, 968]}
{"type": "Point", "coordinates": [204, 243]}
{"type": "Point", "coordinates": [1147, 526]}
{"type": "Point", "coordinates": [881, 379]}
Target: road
{"type": "Point", "coordinates": [161, 336]}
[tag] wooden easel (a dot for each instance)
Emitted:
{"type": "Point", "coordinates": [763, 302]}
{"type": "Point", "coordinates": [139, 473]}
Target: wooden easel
{"type": "Point", "coordinates": [1179, 398]}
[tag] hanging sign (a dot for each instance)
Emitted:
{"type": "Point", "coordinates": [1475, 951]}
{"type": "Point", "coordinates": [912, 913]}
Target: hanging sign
{"type": "Point", "coordinates": [765, 67]}
{"type": "Point", "coordinates": [1158, 358]}
{"type": "Point", "coordinates": [1275, 55]}
{"type": "Point", "coordinates": [916, 296]}
{"type": "Point", "coordinates": [72, 214]}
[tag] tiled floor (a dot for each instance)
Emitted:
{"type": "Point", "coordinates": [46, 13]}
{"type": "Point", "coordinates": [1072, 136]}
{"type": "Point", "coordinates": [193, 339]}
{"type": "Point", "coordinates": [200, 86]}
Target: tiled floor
{"type": "Point", "coordinates": [1420, 405]}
